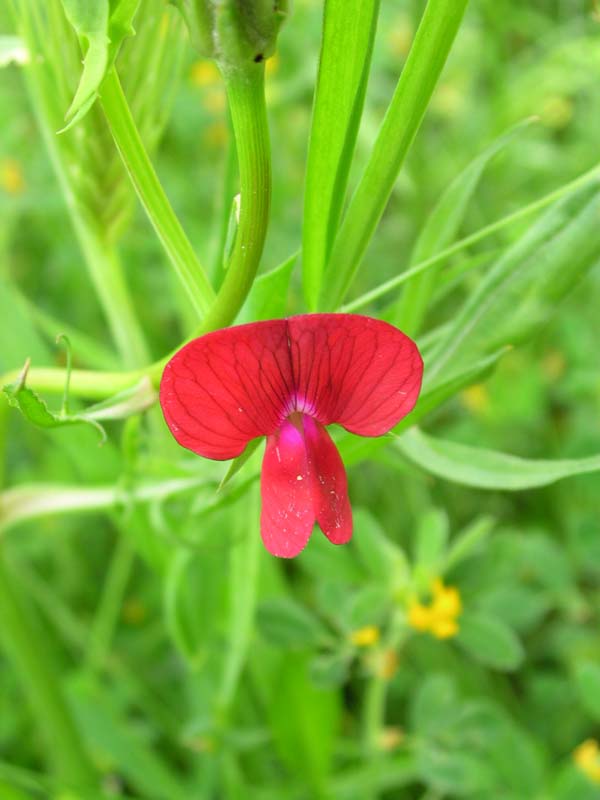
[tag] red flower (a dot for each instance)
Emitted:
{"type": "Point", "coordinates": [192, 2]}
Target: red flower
{"type": "Point", "coordinates": [286, 379]}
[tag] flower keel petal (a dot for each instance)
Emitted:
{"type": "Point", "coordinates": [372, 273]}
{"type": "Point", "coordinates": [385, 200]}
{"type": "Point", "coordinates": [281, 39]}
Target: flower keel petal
{"type": "Point", "coordinates": [287, 515]}
{"type": "Point", "coordinates": [329, 484]}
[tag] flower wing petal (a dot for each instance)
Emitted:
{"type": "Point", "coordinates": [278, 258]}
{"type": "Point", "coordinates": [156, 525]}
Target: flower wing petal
{"type": "Point", "coordinates": [287, 515]}
{"type": "Point", "coordinates": [329, 484]}
{"type": "Point", "coordinates": [223, 389]}
{"type": "Point", "coordinates": [357, 371]}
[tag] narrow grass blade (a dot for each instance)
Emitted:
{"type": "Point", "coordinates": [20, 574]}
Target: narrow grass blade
{"type": "Point", "coordinates": [520, 292]}
{"type": "Point", "coordinates": [423, 67]}
{"type": "Point", "coordinates": [348, 33]}
{"type": "Point", "coordinates": [440, 230]}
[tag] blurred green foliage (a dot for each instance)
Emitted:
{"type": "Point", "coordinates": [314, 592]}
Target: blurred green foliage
{"type": "Point", "coordinates": [187, 676]}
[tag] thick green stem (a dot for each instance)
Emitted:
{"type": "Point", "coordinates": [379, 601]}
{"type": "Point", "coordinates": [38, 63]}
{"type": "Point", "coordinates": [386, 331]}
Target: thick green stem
{"type": "Point", "coordinates": [152, 196]}
{"type": "Point", "coordinates": [245, 92]}
{"type": "Point", "coordinates": [30, 658]}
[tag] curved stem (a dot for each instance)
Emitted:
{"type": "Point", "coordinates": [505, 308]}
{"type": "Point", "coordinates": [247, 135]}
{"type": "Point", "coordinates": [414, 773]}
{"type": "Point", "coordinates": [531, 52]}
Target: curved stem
{"type": "Point", "coordinates": [246, 96]}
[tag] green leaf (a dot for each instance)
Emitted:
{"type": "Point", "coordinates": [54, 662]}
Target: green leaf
{"type": "Point", "coordinates": [348, 33]}
{"type": "Point", "coordinates": [522, 289]}
{"type": "Point", "coordinates": [468, 541]}
{"type": "Point", "coordinates": [285, 623]}
{"type": "Point", "coordinates": [431, 541]}
{"type": "Point", "coordinates": [433, 40]}
{"type": "Point", "coordinates": [439, 231]}
{"type": "Point", "coordinates": [489, 641]}
{"type": "Point", "coordinates": [35, 410]}
{"type": "Point", "coordinates": [101, 26]}
{"type": "Point", "coordinates": [268, 296]}
{"type": "Point", "coordinates": [587, 679]}
{"type": "Point", "coordinates": [239, 462]}
{"type": "Point", "coordinates": [380, 556]}
{"type": "Point", "coordinates": [110, 733]}
{"type": "Point", "coordinates": [487, 469]}
{"type": "Point", "coordinates": [304, 721]}
{"type": "Point", "coordinates": [330, 670]}
{"type": "Point", "coordinates": [355, 449]}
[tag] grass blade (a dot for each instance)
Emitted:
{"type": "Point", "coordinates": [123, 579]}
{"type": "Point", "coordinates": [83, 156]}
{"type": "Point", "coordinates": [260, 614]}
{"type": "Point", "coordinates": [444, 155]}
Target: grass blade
{"type": "Point", "coordinates": [439, 231]}
{"type": "Point", "coordinates": [348, 33]}
{"type": "Point", "coordinates": [423, 67]}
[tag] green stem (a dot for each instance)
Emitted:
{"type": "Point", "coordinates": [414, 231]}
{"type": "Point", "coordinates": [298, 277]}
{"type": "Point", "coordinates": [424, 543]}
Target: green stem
{"type": "Point", "coordinates": [243, 579]}
{"type": "Point", "coordinates": [375, 697]}
{"type": "Point", "coordinates": [30, 658]}
{"type": "Point", "coordinates": [474, 238]}
{"type": "Point", "coordinates": [110, 604]}
{"type": "Point", "coordinates": [246, 96]}
{"type": "Point", "coordinates": [152, 196]}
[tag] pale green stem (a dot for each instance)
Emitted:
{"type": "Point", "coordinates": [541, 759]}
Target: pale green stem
{"type": "Point", "coordinates": [109, 608]}
{"type": "Point", "coordinates": [474, 238]}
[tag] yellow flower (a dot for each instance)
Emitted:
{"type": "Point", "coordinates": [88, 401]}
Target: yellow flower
{"type": "Point", "coordinates": [390, 738]}
{"type": "Point", "coordinates": [214, 100]}
{"type": "Point", "coordinates": [557, 112]}
{"type": "Point", "coordinates": [475, 398]}
{"type": "Point", "coordinates": [587, 758]}
{"type": "Point", "coordinates": [364, 637]}
{"type": "Point", "coordinates": [204, 73]}
{"type": "Point", "coordinates": [439, 617]}
{"type": "Point", "coordinates": [11, 176]}
{"type": "Point", "coordinates": [400, 37]}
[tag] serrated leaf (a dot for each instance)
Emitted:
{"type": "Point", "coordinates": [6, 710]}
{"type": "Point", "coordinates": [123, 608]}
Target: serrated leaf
{"type": "Point", "coordinates": [487, 469]}
{"type": "Point", "coordinates": [489, 641]}
{"type": "Point", "coordinates": [35, 410]}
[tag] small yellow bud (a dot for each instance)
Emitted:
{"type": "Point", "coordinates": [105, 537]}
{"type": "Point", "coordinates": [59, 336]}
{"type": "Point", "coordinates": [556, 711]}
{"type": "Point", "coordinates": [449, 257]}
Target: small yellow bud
{"type": "Point", "coordinates": [587, 758]}
{"type": "Point", "coordinates": [204, 73]}
{"type": "Point", "coordinates": [475, 398]}
{"type": "Point", "coordinates": [390, 738]}
{"type": "Point", "coordinates": [419, 616]}
{"type": "Point", "coordinates": [364, 637]}
{"type": "Point", "coordinates": [11, 176]}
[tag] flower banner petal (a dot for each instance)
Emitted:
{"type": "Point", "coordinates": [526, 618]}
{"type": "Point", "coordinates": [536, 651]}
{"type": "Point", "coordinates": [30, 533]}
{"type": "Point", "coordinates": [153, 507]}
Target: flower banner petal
{"type": "Point", "coordinates": [357, 371]}
{"type": "Point", "coordinates": [225, 388]}
{"type": "Point", "coordinates": [287, 516]}
{"type": "Point", "coordinates": [329, 485]}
